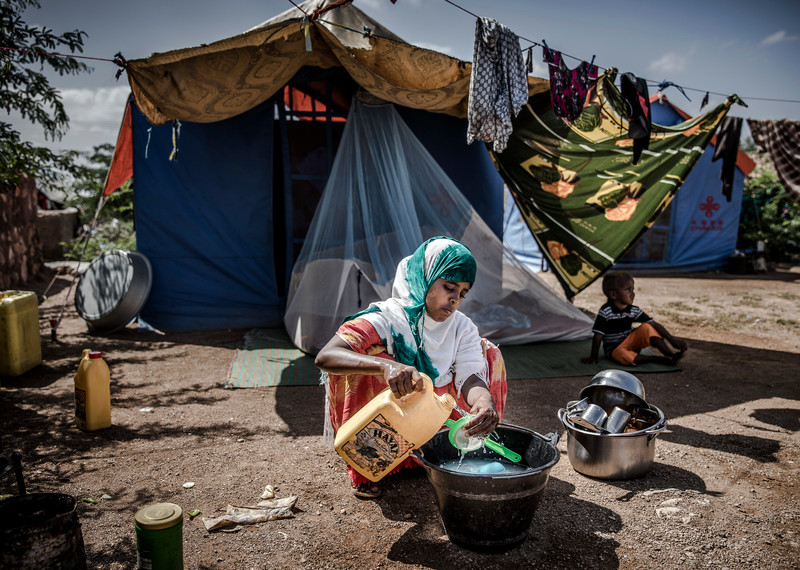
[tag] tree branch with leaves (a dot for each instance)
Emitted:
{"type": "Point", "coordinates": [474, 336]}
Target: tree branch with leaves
{"type": "Point", "coordinates": [25, 52]}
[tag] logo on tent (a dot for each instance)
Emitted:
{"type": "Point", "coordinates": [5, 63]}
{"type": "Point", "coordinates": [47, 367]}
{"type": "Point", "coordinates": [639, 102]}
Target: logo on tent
{"type": "Point", "coordinates": [708, 208]}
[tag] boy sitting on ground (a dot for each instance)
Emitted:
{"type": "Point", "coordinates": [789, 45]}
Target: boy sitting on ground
{"type": "Point", "coordinates": [614, 327]}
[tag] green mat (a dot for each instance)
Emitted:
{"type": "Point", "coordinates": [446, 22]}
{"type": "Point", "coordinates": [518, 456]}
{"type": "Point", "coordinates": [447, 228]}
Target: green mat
{"type": "Point", "coordinates": [268, 358]}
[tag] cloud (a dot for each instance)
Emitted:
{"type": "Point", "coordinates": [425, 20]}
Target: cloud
{"type": "Point", "coordinates": [92, 106]}
{"type": "Point", "coordinates": [778, 37]}
{"type": "Point", "coordinates": [94, 115]}
{"type": "Point", "coordinates": [669, 63]}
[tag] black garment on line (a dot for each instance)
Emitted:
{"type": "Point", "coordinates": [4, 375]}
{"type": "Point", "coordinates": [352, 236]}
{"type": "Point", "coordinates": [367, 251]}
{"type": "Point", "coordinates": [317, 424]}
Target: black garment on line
{"type": "Point", "coordinates": [634, 91]}
{"type": "Point", "coordinates": [727, 148]}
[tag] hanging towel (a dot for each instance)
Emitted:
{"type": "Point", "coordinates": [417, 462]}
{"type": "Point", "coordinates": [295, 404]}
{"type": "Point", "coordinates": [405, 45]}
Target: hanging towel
{"type": "Point", "coordinates": [781, 140]}
{"type": "Point", "coordinates": [634, 90]}
{"type": "Point", "coordinates": [498, 86]}
{"type": "Point", "coordinates": [727, 149]}
{"type": "Point", "coordinates": [568, 87]}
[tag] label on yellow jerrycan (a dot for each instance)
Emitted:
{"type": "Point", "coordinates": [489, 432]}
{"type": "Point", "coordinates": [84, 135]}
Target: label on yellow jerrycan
{"type": "Point", "coordinates": [384, 432]}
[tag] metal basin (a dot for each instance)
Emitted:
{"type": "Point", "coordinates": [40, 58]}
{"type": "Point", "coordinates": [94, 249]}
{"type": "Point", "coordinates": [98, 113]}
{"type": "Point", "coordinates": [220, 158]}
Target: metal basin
{"type": "Point", "coordinates": [611, 388]}
{"type": "Point", "coordinates": [113, 289]}
{"type": "Point", "coordinates": [612, 455]}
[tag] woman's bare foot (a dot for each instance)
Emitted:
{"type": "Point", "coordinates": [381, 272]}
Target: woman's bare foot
{"type": "Point", "coordinates": [367, 490]}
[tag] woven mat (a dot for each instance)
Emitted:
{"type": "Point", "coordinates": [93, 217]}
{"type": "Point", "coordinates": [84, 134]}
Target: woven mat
{"type": "Point", "coordinates": [562, 359]}
{"type": "Point", "coordinates": [268, 358]}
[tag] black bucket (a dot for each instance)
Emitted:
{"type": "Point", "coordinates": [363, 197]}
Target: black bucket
{"type": "Point", "coordinates": [39, 531]}
{"type": "Point", "coordinates": [490, 512]}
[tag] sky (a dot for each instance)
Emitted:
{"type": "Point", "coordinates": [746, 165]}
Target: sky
{"type": "Point", "coordinates": [736, 46]}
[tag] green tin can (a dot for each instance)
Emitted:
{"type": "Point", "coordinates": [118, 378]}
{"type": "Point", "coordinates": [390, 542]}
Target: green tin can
{"type": "Point", "coordinates": [159, 537]}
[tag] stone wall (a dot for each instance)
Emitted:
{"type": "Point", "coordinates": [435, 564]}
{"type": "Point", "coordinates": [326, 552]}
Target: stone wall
{"type": "Point", "coordinates": [56, 227]}
{"type": "Point", "coordinates": [20, 248]}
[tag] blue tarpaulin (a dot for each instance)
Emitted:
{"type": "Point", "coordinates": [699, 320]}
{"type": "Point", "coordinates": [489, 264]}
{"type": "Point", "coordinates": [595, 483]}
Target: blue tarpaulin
{"type": "Point", "coordinates": [204, 221]}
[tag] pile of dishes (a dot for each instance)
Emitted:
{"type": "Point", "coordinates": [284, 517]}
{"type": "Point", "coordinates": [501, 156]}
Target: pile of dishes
{"type": "Point", "coordinates": [611, 428]}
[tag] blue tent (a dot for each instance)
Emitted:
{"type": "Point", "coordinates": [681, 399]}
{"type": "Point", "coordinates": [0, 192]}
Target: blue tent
{"type": "Point", "coordinates": [233, 142]}
{"type": "Point", "coordinates": [698, 230]}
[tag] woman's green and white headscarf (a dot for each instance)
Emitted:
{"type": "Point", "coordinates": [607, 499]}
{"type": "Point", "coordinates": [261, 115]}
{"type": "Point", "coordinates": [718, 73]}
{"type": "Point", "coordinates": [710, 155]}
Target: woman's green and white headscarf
{"type": "Point", "coordinates": [446, 351]}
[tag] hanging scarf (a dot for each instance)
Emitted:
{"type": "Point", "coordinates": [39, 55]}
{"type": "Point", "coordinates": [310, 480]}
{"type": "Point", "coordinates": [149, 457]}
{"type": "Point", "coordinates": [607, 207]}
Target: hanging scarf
{"type": "Point", "coordinates": [445, 351]}
{"type": "Point", "coordinates": [498, 85]}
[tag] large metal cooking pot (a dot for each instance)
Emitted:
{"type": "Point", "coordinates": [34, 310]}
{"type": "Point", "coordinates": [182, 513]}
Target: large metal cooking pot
{"type": "Point", "coordinates": [612, 455]}
{"type": "Point", "coordinates": [113, 289]}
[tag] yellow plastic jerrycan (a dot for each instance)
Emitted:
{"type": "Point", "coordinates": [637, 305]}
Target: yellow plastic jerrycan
{"type": "Point", "coordinates": [20, 343]}
{"type": "Point", "coordinates": [92, 392]}
{"type": "Point", "coordinates": [384, 432]}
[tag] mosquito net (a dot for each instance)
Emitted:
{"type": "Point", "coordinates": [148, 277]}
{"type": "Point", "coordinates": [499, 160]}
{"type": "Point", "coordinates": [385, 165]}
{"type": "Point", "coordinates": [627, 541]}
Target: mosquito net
{"type": "Point", "coordinates": [385, 196]}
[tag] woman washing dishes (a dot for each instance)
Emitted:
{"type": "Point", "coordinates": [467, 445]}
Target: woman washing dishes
{"type": "Point", "coordinates": [418, 329]}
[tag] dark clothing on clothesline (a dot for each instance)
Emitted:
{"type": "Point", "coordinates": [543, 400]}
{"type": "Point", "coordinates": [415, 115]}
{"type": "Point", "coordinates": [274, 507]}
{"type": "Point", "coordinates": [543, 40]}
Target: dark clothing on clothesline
{"type": "Point", "coordinates": [634, 90]}
{"type": "Point", "coordinates": [727, 148]}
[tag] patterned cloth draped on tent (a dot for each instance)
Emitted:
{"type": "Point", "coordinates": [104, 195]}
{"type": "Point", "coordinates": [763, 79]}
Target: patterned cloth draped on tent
{"type": "Point", "coordinates": [575, 184]}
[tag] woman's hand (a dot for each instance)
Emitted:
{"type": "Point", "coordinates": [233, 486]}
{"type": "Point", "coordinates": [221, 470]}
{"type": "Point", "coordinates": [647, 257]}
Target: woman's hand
{"type": "Point", "coordinates": [486, 418]}
{"type": "Point", "coordinates": [402, 379]}
{"type": "Point", "coordinates": [482, 407]}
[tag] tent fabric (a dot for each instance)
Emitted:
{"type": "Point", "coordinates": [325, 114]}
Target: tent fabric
{"type": "Point", "coordinates": [518, 238]}
{"type": "Point", "coordinates": [213, 263]}
{"type": "Point", "coordinates": [781, 140]}
{"type": "Point", "coordinates": [577, 188]}
{"type": "Point", "coordinates": [385, 196]}
{"type": "Point", "coordinates": [223, 79]}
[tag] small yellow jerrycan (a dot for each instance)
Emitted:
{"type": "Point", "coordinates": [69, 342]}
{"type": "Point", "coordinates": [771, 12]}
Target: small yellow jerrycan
{"type": "Point", "coordinates": [384, 432]}
{"type": "Point", "coordinates": [92, 392]}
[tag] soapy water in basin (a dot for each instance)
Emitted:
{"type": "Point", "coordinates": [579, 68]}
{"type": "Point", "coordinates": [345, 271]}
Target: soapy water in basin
{"type": "Point", "coordinates": [483, 466]}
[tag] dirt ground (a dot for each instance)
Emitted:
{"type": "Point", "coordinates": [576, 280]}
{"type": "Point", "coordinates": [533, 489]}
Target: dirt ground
{"type": "Point", "coordinates": [722, 491]}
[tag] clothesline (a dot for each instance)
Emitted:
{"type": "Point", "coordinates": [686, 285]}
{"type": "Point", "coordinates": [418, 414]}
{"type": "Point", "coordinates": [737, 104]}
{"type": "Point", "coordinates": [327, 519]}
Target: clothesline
{"type": "Point", "coordinates": [366, 31]}
{"type": "Point", "coordinates": [653, 82]}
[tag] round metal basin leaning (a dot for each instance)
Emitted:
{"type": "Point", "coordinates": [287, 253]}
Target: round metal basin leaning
{"type": "Point", "coordinates": [113, 289]}
{"type": "Point", "coordinates": [490, 511]}
{"type": "Point", "coordinates": [615, 388]}
{"type": "Point", "coordinates": [625, 455]}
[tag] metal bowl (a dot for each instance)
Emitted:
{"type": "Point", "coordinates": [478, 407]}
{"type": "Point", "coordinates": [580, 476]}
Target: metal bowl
{"type": "Point", "coordinates": [612, 387]}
